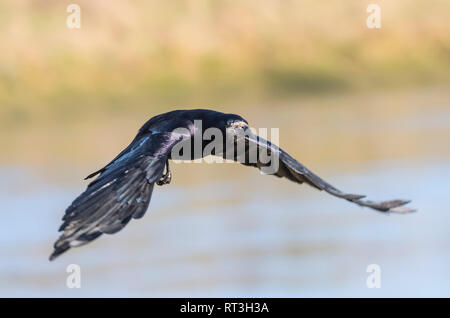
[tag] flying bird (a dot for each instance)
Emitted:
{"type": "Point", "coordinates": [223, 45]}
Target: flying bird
{"type": "Point", "coordinates": [124, 186]}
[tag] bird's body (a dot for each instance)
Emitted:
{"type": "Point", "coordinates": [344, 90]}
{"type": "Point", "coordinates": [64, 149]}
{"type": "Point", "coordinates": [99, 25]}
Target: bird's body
{"type": "Point", "coordinates": [124, 187]}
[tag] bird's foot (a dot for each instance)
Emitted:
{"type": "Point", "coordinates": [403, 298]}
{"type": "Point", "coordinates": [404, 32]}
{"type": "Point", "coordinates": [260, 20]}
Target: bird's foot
{"type": "Point", "coordinates": [165, 179]}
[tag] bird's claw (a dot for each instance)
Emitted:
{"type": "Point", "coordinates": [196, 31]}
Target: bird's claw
{"type": "Point", "coordinates": [165, 179]}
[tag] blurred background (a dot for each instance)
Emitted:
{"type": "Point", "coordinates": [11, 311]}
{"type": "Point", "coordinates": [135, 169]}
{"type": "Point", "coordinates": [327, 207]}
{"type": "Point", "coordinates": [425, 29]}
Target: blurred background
{"type": "Point", "coordinates": [367, 109]}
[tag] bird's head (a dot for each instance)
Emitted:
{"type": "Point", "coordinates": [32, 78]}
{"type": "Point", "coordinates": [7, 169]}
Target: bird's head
{"type": "Point", "coordinates": [235, 127]}
{"type": "Point", "coordinates": [235, 122]}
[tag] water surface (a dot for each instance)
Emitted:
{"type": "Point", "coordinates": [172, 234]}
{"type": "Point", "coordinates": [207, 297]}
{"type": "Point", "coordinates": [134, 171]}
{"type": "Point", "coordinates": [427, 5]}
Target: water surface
{"type": "Point", "coordinates": [255, 236]}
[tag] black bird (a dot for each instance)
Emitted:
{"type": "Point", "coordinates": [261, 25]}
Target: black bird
{"type": "Point", "coordinates": [124, 187]}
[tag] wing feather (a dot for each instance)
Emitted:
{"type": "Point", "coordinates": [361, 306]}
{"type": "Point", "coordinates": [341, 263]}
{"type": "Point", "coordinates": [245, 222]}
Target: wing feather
{"type": "Point", "coordinates": [295, 171]}
{"type": "Point", "coordinates": [121, 192]}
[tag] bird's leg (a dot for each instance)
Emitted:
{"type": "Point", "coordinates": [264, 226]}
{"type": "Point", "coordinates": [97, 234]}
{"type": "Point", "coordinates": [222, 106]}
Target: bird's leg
{"type": "Point", "coordinates": [167, 177]}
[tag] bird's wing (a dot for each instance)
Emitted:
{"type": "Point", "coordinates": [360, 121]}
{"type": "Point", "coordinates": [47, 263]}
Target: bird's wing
{"type": "Point", "coordinates": [121, 192]}
{"type": "Point", "coordinates": [290, 168]}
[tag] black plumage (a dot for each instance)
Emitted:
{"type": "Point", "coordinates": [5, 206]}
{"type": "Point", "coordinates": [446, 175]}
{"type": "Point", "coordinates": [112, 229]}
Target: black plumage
{"type": "Point", "coordinates": [124, 187]}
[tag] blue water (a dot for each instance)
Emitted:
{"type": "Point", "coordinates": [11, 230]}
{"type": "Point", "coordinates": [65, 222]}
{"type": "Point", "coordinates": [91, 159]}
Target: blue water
{"type": "Point", "coordinates": [256, 236]}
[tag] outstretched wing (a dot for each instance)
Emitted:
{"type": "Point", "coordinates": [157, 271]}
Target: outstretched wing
{"type": "Point", "coordinates": [290, 168]}
{"type": "Point", "coordinates": [121, 192]}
